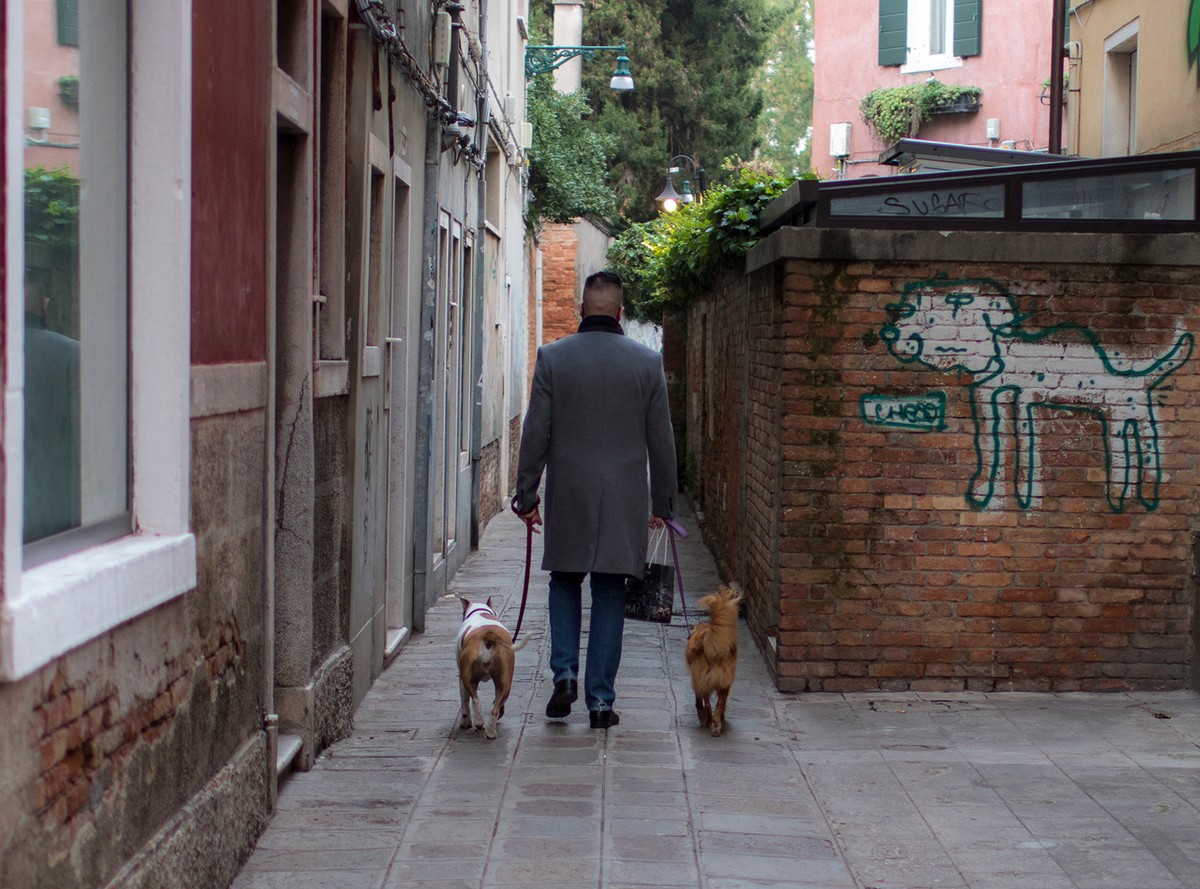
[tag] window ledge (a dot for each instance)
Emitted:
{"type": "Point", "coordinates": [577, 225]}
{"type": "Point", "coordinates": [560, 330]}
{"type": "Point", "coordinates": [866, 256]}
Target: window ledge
{"type": "Point", "coordinates": [916, 65]}
{"type": "Point", "coordinates": [72, 600]}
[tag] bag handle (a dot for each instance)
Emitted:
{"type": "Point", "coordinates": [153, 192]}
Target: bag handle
{"type": "Point", "coordinates": [658, 544]}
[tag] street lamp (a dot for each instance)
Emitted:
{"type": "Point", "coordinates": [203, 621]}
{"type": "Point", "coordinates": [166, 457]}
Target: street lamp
{"type": "Point", "coordinates": [543, 59]}
{"type": "Point", "coordinates": [669, 199]}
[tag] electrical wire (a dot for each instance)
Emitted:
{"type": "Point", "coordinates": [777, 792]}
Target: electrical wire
{"type": "Point", "coordinates": [384, 32]}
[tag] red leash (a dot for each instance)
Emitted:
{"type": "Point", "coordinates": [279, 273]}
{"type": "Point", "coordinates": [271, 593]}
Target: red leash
{"type": "Point", "coordinates": [673, 527]}
{"type": "Point", "coordinates": [528, 560]}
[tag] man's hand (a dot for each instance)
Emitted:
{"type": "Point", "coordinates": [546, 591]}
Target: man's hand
{"type": "Point", "coordinates": [657, 522]}
{"type": "Point", "coordinates": [533, 518]}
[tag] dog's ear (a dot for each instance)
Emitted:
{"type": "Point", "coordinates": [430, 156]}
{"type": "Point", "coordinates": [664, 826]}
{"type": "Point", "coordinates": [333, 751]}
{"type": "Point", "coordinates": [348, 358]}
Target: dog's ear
{"type": "Point", "coordinates": [466, 603]}
{"type": "Point", "coordinates": [489, 603]}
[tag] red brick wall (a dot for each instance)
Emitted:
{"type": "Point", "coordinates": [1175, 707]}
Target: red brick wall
{"type": "Point", "coordinates": [491, 496]}
{"type": "Point", "coordinates": [514, 452]}
{"type": "Point", "coordinates": [865, 547]}
{"type": "Point", "coordinates": [560, 289]}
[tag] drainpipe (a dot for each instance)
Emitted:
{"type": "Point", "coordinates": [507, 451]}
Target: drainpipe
{"type": "Point", "coordinates": [537, 289]}
{"type": "Point", "coordinates": [1057, 39]}
{"type": "Point", "coordinates": [425, 406]}
{"type": "Point", "coordinates": [482, 135]}
{"type": "Point", "coordinates": [270, 717]}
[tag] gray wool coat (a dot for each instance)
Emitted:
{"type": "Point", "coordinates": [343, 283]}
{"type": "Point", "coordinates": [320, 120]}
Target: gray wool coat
{"type": "Point", "coordinates": [598, 415]}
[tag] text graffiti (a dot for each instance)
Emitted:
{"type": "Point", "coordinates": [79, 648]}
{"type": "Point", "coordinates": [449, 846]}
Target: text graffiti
{"type": "Point", "coordinates": [919, 412]}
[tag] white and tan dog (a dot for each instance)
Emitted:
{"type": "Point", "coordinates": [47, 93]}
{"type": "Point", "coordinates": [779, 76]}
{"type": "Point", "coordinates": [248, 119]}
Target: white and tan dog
{"type": "Point", "coordinates": [485, 651]}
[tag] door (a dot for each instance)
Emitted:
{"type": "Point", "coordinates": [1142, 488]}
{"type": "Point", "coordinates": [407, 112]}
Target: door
{"type": "Point", "coordinates": [401, 357]}
{"type": "Point", "coordinates": [370, 279]}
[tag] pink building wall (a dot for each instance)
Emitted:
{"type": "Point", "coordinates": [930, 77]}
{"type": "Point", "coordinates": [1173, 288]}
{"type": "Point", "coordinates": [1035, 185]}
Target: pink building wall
{"type": "Point", "coordinates": [45, 62]}
{"type": "Point", "coordinates": [1014, 60]}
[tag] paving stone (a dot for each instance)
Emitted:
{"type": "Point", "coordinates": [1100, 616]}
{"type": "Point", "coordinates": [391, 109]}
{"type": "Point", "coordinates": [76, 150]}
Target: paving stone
{"type": "Point", "coordinates": [537, 871]}
{"type": "Point", "coordinates": [650, 848]}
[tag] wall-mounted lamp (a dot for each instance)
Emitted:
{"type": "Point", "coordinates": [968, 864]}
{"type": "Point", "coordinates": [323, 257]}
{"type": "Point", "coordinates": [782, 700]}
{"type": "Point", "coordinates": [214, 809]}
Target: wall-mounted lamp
{"type": "Point", "coordinates": [669, 200]}
{"type": "Point", "coordinates": [543, 59]}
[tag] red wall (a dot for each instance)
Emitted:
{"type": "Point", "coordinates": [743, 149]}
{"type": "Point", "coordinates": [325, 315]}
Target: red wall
{"type": "Point", "coordinates": [230, 112]}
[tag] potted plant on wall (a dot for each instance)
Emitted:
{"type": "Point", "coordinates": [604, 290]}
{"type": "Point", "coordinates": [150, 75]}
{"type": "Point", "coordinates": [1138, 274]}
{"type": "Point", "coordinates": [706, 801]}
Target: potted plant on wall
{"type": "Point", "coordinates": [897, 112]}
{"type": "Point", "coordinates": [68, 90]}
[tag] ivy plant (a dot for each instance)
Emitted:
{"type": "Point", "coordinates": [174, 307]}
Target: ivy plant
{"type": "Point", "coordinates": [51, 206]}
{"type": "Point", "coordinates": [669, 260]}
{"type": "Point", "coordinates": [897, 112]}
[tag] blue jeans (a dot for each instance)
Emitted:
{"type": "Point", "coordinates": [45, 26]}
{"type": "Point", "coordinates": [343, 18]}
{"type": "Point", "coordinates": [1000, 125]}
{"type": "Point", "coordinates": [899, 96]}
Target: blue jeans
{"type": "Point", "coordinates": [604, 633]}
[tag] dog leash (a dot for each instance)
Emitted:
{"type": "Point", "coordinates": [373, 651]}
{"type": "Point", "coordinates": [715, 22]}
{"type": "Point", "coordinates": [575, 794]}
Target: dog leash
{"type": "Point", "coordinates": [528, 560]}
{"type": "Point", "coordinates": [674, 529]}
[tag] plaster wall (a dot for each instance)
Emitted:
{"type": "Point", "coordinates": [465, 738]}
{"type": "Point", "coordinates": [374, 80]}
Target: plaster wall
{"type": "Point", "coordinates": [1167, 84]}
{"type": "Point", "coordinates": [1014, 60]}
{"type": "Point", "coordinates": [45, 61]}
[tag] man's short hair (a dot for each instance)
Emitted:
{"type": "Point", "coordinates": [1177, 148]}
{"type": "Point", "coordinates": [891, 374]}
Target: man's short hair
{"type": "Point", "coordinates": [603, 279]}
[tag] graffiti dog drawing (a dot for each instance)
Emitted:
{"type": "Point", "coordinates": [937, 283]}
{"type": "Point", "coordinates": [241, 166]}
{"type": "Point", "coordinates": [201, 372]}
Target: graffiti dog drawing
{"type": "Point", "coordinates": [973, 327]}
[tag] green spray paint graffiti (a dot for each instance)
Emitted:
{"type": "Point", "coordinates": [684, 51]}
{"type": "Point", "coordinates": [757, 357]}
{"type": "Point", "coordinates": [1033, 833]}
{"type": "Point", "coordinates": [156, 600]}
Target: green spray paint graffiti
{"type": "Point", "coordinates": [917, 412]}
{"type": "Point", "coordinates": [1193, 37]}
{"type": "Point", "coordinates": [973, 327]}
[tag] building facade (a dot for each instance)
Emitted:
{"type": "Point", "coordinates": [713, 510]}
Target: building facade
{"type": "Point", "coordinates": [264, 352]}
{"type": "Point", "coordinates": [863, 45]}
{"type": "Point", "coordinates": [1123, 101]}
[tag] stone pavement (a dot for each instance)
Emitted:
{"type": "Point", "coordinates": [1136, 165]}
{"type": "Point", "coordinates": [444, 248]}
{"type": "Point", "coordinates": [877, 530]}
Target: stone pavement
{"type": "Point", "coordinates": [864, 791]}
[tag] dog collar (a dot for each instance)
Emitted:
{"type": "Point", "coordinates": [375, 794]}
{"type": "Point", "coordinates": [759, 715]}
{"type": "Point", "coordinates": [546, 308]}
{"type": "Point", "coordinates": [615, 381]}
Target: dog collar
{"type": "Point", "coordinates": [475, 609]}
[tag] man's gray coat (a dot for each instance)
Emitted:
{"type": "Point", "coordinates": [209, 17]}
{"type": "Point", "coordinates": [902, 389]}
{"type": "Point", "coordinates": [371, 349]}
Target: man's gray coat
{"type": "Point", "coordinates": [597, 415]}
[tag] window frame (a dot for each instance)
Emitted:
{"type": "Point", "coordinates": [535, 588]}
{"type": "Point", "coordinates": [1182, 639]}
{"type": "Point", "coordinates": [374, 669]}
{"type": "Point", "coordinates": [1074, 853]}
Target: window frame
{"type": "Point", "coordinates": [52, 608]}
{"type": "Point", "coordinates": [919, 58]}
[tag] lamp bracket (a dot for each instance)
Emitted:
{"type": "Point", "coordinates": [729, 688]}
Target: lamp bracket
{"type": "Point", "coordinates": [543, 59]}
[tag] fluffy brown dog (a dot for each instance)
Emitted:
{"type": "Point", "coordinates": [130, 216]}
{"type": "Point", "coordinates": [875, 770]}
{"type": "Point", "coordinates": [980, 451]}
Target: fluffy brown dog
{"type": "Point", "coordinates": [711, 655]}
{"type": "Point", "coordinates": [485, 651]}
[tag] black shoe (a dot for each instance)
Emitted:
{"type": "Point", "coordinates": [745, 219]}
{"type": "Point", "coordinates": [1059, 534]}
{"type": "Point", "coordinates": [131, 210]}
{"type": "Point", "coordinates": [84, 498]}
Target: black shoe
{"type": "Point", "coordinates": [566, 691]}
{"type": "Point", "coordinates": [603, 718]}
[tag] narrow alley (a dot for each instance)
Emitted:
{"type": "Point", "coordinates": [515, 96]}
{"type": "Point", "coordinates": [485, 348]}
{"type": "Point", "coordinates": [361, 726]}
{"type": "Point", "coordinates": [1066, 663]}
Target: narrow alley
{"type": "Point", "coordinates": [863, 791]}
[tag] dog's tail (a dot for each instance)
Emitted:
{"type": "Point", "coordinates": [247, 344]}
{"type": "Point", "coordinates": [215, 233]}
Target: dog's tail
{"type": "Point", "coordinates": [1176, 356]}
{"type": "Point", "coordinates": [494, 636]}
{"type": "Point", "coordinates": [723, 604]}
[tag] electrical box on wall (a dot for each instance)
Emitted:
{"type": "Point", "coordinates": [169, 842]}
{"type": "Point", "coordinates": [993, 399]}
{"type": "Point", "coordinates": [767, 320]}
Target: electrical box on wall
{"type": "Point", "coordinates": [839, 140]}
{"type": "Point", "coordinates": [39, 118]}
{"type": "Point", "coordinates": [526, 134]}
{"type": "Point", "coordinates": [442, 29]}
{"type": "Point", "coordinates": [993, 129]}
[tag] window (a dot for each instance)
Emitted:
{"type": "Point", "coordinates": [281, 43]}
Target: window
{"type": "Point", "coordinates": [76, 298]}
{"type": "Point", "coordinates": [96, 384]}
{"type": "Point", "coordinates": [928, 35]}
{"type": "Point", "coordinates": [67, 20]}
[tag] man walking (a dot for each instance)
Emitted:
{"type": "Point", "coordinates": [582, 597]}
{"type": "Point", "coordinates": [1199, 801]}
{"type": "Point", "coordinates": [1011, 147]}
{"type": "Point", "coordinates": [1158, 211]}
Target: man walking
{"type": "Point", "coordinates": [597, 415]}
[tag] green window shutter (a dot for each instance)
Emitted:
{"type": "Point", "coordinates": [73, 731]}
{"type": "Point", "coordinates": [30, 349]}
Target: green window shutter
{"type": "Point", "coordinates": [68, 22]}
{"type": "Point", "coordinates": [893, 32]}
{"type": "Point", "coordinates": [968, 28]}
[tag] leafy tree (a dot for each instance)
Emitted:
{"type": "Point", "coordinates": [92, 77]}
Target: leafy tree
{"type": "Point", "coordinates": [670, 259]}
{"type": "Point", "coordinates": [51, 206]}
{"type": "Point", "coordinates": [786, 80]}
{"type": "Point", "coordinates": [693, 63]}
{"type": "Point", "coordinates": [568, 161]}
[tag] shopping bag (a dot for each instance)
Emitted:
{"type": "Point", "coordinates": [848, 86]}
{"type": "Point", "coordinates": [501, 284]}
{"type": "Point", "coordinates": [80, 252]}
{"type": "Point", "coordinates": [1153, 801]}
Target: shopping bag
{"type": "Point", "coordinates": [650, 598]}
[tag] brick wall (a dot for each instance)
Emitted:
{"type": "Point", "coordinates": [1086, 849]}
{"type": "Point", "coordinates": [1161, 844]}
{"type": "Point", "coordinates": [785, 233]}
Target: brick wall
{"type": "Point", "coordinates": [863, 473]}
{"type": "Point", "coordinates": [514, 451]}
{"type": "Point", "coordinates": [491, 497]}
{"type": "Point", "coordinates": [560, 284]}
